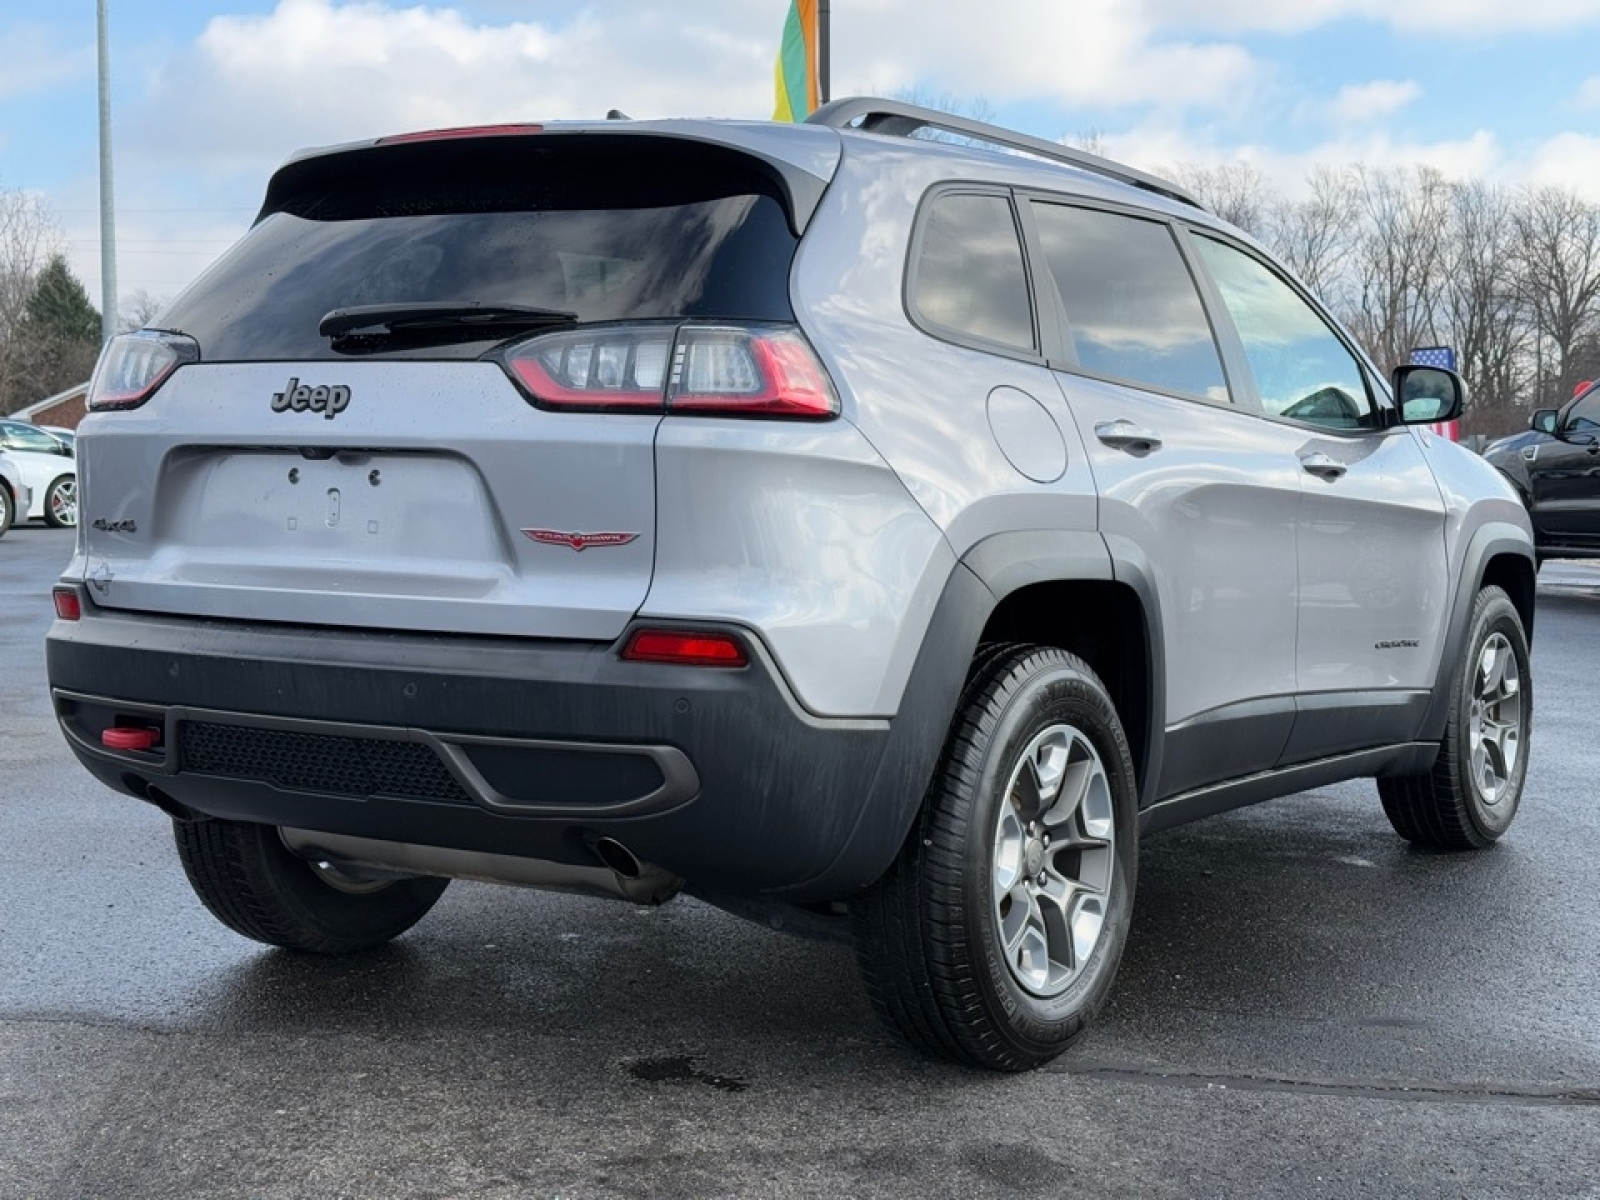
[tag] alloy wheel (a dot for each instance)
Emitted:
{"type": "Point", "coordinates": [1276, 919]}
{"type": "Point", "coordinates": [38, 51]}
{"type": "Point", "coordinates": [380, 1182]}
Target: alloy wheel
{"type": "Point", "coordinates": [1054, 858]}
{"type": "Point", "coordinates": [1494, 722]}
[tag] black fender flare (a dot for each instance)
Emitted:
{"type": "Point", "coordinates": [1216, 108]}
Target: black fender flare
{"type": "Point", "coordinates": [1488, 542]}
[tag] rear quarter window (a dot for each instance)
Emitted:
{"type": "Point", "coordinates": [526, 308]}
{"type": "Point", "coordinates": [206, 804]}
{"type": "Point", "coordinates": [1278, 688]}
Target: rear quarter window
{"type": "Point", "coordinates": [968, 281]}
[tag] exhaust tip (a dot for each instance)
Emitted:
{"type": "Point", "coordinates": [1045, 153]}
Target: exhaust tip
{"type": "Point", "coordinates": [617, 856]}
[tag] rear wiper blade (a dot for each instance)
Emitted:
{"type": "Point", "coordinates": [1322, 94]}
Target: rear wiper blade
{"type": "Point", "coordinates": [439, 314]}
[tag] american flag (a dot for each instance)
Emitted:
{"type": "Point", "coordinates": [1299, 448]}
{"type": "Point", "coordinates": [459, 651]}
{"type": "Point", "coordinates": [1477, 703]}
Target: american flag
{"type": "Point", "coordinates": [1434, 356]}
{"type": "Point", "coordinates": [1438, 356]}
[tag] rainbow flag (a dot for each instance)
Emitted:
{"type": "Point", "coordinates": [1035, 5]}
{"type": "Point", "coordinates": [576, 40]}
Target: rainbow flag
{"type": "Point", "coordinates": [797, 72]}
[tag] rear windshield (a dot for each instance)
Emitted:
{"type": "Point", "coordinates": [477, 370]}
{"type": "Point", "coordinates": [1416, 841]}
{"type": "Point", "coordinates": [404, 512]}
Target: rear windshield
{"type": "Point", "coordinates": [608, 228]}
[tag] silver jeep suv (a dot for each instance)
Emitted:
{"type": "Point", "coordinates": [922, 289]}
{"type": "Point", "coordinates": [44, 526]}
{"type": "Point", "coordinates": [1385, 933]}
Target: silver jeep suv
{"type": "Point", "coordinates": [857, 529]}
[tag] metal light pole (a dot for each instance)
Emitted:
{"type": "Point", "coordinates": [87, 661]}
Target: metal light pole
{"type": "Point", "coordinates": [108, 230]}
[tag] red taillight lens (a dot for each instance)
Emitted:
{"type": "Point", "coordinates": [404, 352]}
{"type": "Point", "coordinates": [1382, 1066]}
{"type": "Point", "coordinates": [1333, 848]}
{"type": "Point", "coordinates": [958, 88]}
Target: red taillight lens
{"type": "Point", "coordinates": [134, 365]}
{"type": "Point", "coordinates": [686, 648]}
{"type": "Point", "coordinates": [711, 370]}
{"type": "Point", "coordinates": [613, 368]}
{"type": "Point", "coordinates": [749, 373]}
{"type": "Point", "coordinates": [68, 606]}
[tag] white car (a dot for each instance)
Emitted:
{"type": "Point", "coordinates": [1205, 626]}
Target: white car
{"type": "Point", "coordinates": [48, 468]}
{"type": "Point", "coordinates": [15, 496]}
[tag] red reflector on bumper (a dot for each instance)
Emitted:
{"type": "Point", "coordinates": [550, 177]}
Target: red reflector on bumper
{"type": "Point", "coordinates": [68, 606]}
{"type": "Point", "coordinates": [124, 738]}
{"type": "Point", "coordinates": [686, 648]}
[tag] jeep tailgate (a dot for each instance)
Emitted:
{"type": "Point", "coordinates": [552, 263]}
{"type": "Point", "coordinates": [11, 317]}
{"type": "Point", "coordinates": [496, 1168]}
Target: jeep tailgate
{"type": "Point", "coordinates": [435, 499]}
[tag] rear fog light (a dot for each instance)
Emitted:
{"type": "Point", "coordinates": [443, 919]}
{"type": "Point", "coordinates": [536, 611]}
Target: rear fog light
{"type": "Point", "coordinates": [685, 648]}
{"type": "Point", "coordinates": [127, 737]}
{"type": "Point", "coordinates": [68, 606]}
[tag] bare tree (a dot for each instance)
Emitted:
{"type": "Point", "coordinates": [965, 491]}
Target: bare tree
{"type": "Point", "coordinates": [138, 310]}
{"type": "Point", "coordinates": [1485, 315]}
{"type": "Point", "coordinates": [1314, 236]}
{"type": "Point", "coordinates": [1558, 258]}
{"type": "Point", "coordinates": [1399, 261]}
{"type": "Point", "coordinates": [1238, 192]}
{"type": "Point", "coordinates": [28, 237]}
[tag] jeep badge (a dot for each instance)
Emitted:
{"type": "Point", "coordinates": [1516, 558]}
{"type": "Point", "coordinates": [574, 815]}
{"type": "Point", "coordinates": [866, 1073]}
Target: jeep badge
{"type": "Point", "coordinates": [329, 401]}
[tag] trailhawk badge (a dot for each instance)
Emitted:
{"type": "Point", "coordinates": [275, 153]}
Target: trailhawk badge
{"type": "Point", "coordinates": [579, 541]}
{"type": "Point", "coordinates": [329, 400]}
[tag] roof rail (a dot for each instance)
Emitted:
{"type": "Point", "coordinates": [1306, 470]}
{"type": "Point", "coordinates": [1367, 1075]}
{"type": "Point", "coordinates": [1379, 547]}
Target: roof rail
{"type": "Point", "coordinates": [897, 118]}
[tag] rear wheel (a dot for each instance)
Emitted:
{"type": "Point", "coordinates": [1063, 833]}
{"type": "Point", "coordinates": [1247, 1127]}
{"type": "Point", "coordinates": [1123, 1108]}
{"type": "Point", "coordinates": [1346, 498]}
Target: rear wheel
{"type": "Point", "coordinates": [61, 502]}
{"type": "Point", "coordinates": [1470, 796]}
{"type": "Point", "coordinates": [7, 509]}
{"type": "Point", "coordinates": [257, 887]}
{"type": "Point", "coordinates": [995, 936]}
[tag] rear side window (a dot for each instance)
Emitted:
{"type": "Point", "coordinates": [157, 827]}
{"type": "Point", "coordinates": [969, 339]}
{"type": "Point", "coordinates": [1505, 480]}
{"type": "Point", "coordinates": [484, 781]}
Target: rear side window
{"type": "Point", "coordinates": [1131, 306]}
{"type": "Point", "coordinates": [610, 229]}
{"type": "Point", "coordinates": [1302, 370]}
{"type": "Point", "coordinates": [969, 278]}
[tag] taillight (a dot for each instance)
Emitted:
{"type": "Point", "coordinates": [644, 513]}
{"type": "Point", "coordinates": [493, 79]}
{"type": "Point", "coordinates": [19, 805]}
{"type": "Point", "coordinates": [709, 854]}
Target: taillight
{"type": "Point", "coordinates": [134, 365]}
{"type": "Point", "coordinates": [714, 370]}
{"type": "Point", "coordinates": [609, 368]}
{"type": "Point", "coordinates": [749, 373]}
{"type": "Point", "coordinates": [689, 648]}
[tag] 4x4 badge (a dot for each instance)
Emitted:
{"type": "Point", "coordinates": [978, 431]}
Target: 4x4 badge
{"type": "Point", "coordinates": [579, 541]}
{"type": "Point", "coordinates": [329, 400]}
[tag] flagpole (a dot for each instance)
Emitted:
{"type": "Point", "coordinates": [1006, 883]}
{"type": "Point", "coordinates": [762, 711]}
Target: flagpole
{"type": "Point", "coordinates": [824, 56]}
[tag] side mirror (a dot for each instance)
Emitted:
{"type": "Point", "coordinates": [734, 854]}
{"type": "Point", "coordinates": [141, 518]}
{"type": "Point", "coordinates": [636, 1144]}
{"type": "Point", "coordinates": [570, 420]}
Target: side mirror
{"type": "Point", "coordinates": [1428, 394]}
{"type": "Point", "coordinates": [1544, 420]}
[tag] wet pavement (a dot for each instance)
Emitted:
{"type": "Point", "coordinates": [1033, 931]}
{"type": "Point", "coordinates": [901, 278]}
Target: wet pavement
{"type": "Point", "coordinates": [1307, 1007]}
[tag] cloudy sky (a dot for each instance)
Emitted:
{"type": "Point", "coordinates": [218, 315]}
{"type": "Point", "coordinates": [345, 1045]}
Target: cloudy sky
{"type": "Point", "coordinates": [208, 95]}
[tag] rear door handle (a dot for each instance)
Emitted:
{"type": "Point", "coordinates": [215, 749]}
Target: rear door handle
{"type": "Point", "coordinates": [1125, 435]}
{"type": "Point", "coordinates": [1319, 464]}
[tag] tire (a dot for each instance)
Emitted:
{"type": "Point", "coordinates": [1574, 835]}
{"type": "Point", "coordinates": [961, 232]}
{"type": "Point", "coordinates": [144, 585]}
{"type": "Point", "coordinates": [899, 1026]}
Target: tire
{"type": "Point", "coordinates": [61, 502]}
{"type": "Point", "coordinates": [961, 950]}
{"type": "Point", "coordinates": [257, 887]}
{"type": "Point", "coordinates": [1468, 799]}
{"type": "Point", "coordinates": [8, 509]}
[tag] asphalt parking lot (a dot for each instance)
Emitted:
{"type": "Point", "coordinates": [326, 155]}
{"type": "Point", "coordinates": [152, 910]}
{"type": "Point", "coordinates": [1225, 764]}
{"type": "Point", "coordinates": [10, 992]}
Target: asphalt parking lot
{"type": "Point", "coordinates": [1307, 1007]}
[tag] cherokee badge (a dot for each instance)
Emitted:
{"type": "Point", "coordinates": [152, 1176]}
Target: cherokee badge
{"type": "Point", "coordinates": [578, 541]}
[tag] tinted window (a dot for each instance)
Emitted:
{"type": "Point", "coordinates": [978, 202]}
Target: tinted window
{"type": "Point", "coordinates": [1301, 368]}
{"type": "Point", "coordinates": [969, 276]}
{"type": "Point", "coordinates": [1584, 416]}
{"type": "Point", "coordinates": [19, 437]}
{"type": "Point", "coordinates": [1131, 307]}
{"type": "Point", "coordinates": [628, 229]}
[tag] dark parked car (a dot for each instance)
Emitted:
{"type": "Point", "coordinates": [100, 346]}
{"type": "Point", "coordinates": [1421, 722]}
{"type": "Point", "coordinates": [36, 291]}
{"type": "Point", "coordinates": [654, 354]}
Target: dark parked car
{"type": "Point", "coordinates": [1555, 467]}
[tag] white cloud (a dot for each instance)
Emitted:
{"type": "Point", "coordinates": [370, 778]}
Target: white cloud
{"type": "Point", "coordinates": [1161, 148]}
{"type": "Point", "coordinates": [311, 72]}
{"type": "Point", "coordinates": [1358, 102]}
{"type": "Point", "coordinates": [1569, 160]}
{"type": "Point", "coordinates": [1100, 52]}
{"type": "Point", "coordinates": [1447, 17]}
{"type": "Point", "coordinates": [1589, 92]}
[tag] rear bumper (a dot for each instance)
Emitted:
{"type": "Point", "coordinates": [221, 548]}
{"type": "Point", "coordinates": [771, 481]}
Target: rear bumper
{"type": "Point", "coordinates": [509, 746]}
